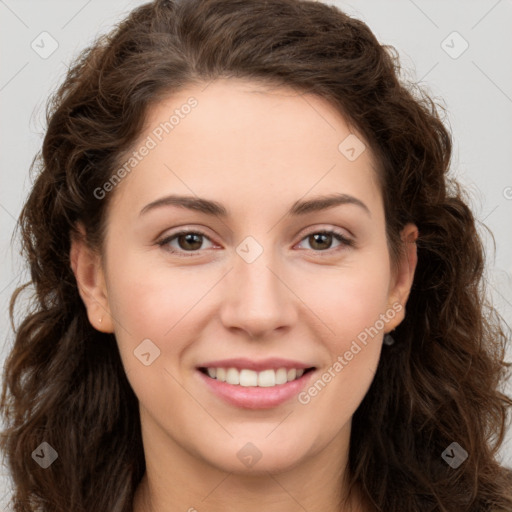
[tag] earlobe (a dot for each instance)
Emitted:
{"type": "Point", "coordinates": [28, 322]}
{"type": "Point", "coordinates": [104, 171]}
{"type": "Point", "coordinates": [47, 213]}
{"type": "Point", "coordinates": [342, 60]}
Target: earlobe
{"type": "Point", "coordinates": [404, 275]}
{"type": "Point", "coordinates": [88, 271]}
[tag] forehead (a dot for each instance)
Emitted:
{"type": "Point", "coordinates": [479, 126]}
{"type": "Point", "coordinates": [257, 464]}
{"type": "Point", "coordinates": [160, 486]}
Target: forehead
{"type": "Point", "coordinates": [247, 142]}
{"type": "Point", "coordinates": [237, 111]}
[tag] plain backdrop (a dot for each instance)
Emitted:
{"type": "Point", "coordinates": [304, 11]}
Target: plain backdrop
{"type": "Point", "coordinates": [459, 51]}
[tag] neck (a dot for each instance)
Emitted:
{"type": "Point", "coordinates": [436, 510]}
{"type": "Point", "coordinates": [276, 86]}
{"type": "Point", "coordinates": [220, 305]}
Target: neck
{"type": "Point", "coordinates": [269, 493]}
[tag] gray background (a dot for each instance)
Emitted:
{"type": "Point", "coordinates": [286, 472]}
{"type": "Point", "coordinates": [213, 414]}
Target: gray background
{"type": "Point", "coordinates": [475, 86]}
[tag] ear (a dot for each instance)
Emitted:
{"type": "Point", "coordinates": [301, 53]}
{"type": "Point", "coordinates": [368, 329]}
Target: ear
{"type": "Point", "coordinates": [87, 267]}
{"type": "Point", "coordinates": [403, 276]}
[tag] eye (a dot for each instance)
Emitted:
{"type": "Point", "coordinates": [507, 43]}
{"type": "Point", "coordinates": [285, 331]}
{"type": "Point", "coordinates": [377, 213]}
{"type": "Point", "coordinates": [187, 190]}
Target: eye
{"type": "Point", "coordinates": [188, 241]}
{"type": "Point", "coordinates": [320, 239]}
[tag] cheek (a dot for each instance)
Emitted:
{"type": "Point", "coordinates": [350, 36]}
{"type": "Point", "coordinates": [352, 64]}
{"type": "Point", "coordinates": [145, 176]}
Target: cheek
{"type": "Point", "coordinates": [353, 305]}
{"type": "Point", "coordinates": [353, 310]}
{"type": "Point", "coordinates": [155, 304]}
{"type": "Point", "coordinates": [347, 299]}
{"type": "Point", "coordinates": [150, 299]}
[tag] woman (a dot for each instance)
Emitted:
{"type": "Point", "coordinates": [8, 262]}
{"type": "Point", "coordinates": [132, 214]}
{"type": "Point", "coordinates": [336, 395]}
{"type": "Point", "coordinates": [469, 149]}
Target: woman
{"type": "Point", "coordinates": [194, 345]}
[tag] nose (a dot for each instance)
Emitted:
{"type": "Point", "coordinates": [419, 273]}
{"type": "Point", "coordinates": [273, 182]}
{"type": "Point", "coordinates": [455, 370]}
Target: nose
{"type": "Point", "coordinates": [257, 299]}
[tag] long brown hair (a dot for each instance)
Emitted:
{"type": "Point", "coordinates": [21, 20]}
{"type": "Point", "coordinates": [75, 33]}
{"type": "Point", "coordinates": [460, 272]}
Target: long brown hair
{"type": "Point", "coordinates": [64, 383]}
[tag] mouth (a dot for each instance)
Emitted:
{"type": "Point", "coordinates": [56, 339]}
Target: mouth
{"type": "Point", "coordinates": [246, 377]}
{"type": "Point", "coordinates": [255, 385]}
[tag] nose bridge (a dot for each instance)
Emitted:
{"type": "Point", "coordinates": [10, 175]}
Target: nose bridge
{"type": "Point", "coordinates": [257, 300]}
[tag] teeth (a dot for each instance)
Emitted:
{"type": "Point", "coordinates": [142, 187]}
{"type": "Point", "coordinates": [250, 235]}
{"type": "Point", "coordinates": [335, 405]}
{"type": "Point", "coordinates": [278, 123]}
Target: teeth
{"type": "Point", "coordinates": [232, 376]}
{"type": "Point", "coordinates": [267, 379]}
{"type": "Point", "coordinates": [281, 376]}
{"type": "Point", "coordinates": [250, 378]}
{"type": "Point", "coordinates": [247, 378]}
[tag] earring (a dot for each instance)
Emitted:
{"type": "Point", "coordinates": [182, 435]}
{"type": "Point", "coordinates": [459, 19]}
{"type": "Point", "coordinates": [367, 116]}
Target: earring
{"type": "Point", "coordinates": [388, 339]}
{"type": "Point", "coordinates": [101, 319]}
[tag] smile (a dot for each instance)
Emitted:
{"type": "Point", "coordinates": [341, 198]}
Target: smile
{"type": "Point", "coordinates": [250, 384]}
{"type": "Point", "coordinates": [250, 378]}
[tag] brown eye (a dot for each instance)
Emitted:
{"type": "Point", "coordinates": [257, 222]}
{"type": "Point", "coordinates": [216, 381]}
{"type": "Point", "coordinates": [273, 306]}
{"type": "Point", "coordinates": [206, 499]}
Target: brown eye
{"type": "Point", "coordinates": [322, 240]}
{"type": "Point", "coordinates": [184, 242]}
{"type": "Point", "coordinates": [189, 241]}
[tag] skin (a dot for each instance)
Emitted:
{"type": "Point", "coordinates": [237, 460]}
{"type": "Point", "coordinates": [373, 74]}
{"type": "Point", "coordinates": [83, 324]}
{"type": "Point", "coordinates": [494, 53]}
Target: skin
{"type": "Point", "coordinates": [255, 150]}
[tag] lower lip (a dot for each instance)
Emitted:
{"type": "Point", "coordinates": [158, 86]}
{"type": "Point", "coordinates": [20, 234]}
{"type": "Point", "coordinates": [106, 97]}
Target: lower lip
{"type": "Point", "coordinates": [253, 397]}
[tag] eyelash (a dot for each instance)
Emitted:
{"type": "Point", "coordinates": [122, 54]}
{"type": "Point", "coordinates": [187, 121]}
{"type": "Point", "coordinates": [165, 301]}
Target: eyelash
{"type": "Point", "coordinates": [345, 242]}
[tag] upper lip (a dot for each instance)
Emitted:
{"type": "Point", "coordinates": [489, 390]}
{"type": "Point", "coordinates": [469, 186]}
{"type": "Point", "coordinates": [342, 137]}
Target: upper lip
{"type": "Point", "coordinates": [241, 363]}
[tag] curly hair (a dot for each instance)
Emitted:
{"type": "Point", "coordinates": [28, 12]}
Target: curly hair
{"type": "Point", "coordinates": [439, 383]}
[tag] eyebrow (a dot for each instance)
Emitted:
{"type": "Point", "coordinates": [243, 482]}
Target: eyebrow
{"type": "Point", "coordinates": [216, 209]}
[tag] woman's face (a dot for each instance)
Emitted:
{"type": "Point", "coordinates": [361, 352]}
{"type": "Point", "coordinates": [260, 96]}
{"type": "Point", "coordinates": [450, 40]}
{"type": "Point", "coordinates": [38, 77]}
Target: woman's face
{"type": "Point", "coordinates": [256, 294]}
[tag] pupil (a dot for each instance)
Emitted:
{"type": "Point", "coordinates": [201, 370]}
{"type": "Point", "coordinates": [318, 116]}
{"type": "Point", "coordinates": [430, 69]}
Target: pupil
{"type": "Point", "coordinates": [315, 238]}
{"type": "Point", "coordinates": [189, 242]}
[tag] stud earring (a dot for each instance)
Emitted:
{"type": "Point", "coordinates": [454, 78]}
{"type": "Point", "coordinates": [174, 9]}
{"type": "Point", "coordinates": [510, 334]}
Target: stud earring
{"type": "Point", "coordinates": [101, 320]}
{"type": "Point", "coordinates": [388, 339]}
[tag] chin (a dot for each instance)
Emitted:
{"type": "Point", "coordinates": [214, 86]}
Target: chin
{"type": "Point", "coordinates": [255, 456]}
{"type": "Point", "coordinates": [270, 464]}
